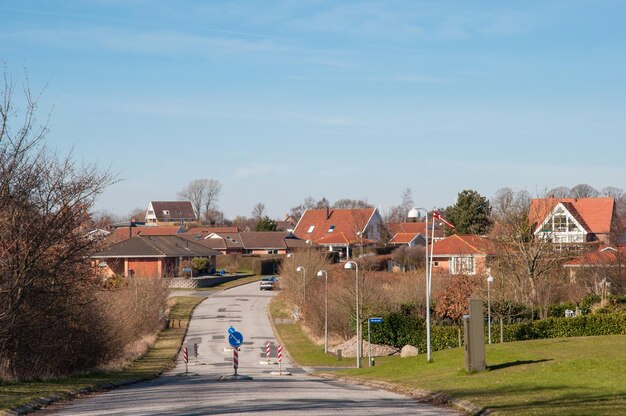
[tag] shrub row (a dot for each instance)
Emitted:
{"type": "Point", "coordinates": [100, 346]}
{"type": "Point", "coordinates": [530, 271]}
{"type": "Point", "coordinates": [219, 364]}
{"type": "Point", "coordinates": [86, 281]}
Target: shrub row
{"type": "Point", "coordinates": [399, 330]}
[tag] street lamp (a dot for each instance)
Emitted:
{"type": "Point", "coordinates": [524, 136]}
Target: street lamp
{"type": "Point", "coordinates": [414, 213]}
{"type": "Point", "coordinates": [490, 280]}
{"type": "Point", "coordinates": [325, 274]}
{"type": "Point", "coordinates": [348, 266]}
{"type": "Point", "coordinates": [301, 269]}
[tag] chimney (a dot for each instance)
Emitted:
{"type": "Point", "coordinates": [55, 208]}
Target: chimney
{"type": "Point", "coordinates": [327, 212]}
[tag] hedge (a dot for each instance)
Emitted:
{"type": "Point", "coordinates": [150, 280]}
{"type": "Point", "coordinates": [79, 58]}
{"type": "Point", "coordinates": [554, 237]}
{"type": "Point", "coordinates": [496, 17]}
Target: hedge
{"type": "Point", "coordinates": [399, 330]}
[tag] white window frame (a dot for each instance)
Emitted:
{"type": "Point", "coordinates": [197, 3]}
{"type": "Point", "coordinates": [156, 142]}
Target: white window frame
{"type": "Point", "coordinates": [310, 229]}
{"type": "Point", "coordinates": [463, 265]}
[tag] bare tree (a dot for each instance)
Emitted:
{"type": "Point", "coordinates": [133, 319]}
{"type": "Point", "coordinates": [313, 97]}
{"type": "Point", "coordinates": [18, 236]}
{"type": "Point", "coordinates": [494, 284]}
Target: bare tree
{"type": "Point", "coordinates": [399, 213]}
{"type": "Point", "coordinates": [559, 192]}
{"type": "Point", "coordinates": [203, 194]}
{"type": "Point", "coordinates": [583, 191]}
{"type": "Point", "coordinates": [532, 266]}
{"type": "Point", "coordinates": [258, 211]}
{"type": "Point", "coordinates": [308, 203]}
{"type": "Point", "coordinates": [45, 282]}
{"type": "Point", "coordinates": [347, 203]}
{"type": "Point", "coordinates": [137, 214]}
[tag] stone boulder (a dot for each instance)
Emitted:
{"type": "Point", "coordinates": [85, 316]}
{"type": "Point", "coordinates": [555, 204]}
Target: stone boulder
{"type": "Point", "coordinates": [409, 351]}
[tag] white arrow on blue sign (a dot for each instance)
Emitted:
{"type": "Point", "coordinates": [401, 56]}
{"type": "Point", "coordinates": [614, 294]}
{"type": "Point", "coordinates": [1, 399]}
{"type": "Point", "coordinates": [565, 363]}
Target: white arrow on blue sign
{"type": "Point", "coordinates": [376, 320]}
{"type": "Point", "coordinates": [235, 339]}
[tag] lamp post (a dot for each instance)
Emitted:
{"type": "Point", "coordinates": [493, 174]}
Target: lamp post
{"type": "Point", "coordinates": [414, 213]}
{"type": "Point", "coordinates": [348, 266]}
{"type": "Point", "coordinates": [490, 280]}
{"type": "Point", "coordinates": [301, 269]}
{"type": "Point", "coordinates": [325, 274]}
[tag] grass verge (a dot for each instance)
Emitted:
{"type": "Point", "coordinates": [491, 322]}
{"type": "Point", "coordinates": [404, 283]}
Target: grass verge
{"type": "Point", "coordinates": [569, 376]}
{"type": "Point", "coordinates": [298, 345]}
{"type": "Point", "coordinates": [565, 376]}
{"type": "Point", "coordinates": [158, 359]}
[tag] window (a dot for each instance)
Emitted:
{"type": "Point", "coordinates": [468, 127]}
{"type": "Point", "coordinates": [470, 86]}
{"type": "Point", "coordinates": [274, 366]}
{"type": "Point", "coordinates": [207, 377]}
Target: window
{"type": "Point", "coordinates": [166, 212]}
{"type": "Point", "coordinates": [150, 212]}
{"type": "Point", "coordinates": [436, 264]}
{"type": "Point", "coordinates": [310, 230]}
{"type": "Point", "coordinates": [331, 228]}
{"type": "Point", "coordinates": [462, 265]}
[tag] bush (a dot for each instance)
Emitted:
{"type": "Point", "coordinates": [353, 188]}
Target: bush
{"type": "Point", "coordinates": [201, 264]}
{"type": "Point", "coordinates": [399, 329]}
{"type": "Point", "coordinates": [587, 303]}
{"type": "Point", "coordinates": [558, 311]}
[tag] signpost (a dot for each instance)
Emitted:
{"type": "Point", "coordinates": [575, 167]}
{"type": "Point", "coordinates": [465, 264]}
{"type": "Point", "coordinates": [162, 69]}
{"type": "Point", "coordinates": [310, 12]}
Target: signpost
{"type": "Point", "coordinates": [267, 351]}
{"type": "Point", "coordinates": [235, 339]}
{"type": "Point", "coordinates": [373, 320]}
{"type": "Point", "coordinates": [185, 358]}
{"type": "Point", "coordinates": [188, 270]}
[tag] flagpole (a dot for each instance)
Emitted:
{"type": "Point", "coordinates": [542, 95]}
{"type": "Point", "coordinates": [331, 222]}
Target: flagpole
{"type": "Point", "coordinates": [430, 279]}
{"type": "Point", "coordinates": [428, 271]}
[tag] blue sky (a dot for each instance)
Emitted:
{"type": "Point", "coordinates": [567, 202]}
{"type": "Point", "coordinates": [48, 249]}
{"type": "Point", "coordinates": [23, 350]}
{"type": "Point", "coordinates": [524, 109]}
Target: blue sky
{"type": "Point", "coordinates": [285, 99]}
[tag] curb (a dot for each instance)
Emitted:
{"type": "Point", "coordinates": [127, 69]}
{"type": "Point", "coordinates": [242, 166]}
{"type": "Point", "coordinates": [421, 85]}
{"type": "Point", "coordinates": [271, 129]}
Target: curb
{"type": "Point", "coordinates": [423, 396]}
{"type": "Point", "coordinates": [41, 402]}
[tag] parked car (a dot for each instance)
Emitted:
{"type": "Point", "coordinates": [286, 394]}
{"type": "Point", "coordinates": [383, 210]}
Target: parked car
{"type": "Point", "coordinates": [269, 283]}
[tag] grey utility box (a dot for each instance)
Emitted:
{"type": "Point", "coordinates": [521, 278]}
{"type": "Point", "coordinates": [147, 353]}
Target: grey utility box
{"type": "Point", "coordinates": [474, 333]}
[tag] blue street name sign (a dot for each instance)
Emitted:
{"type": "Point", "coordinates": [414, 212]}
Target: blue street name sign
{"type": "Point", "coordinates": [235, 339]}
{"type": "Point", "coordinates": [187, 270]}
{"type": "Point", "coordinates": [376, 320]}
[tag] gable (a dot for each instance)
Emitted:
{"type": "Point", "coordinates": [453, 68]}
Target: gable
{"type": "Point", "coordinates": [317, 224]}
{"type": "Point", "coordinates": [595, 213]}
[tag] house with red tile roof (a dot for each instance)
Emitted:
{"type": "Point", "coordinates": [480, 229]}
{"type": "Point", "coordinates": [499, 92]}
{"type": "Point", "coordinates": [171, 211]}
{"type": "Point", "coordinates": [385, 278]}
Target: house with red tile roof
{"type": "Point", "coordinates": [170, 213]}
{"type": "Point", "coordinates": [409, 239]}
{"type": "Point", "coordinates": [416, 228]}
{"type": "Point", "coordinates": [462, 254]}
{"type": "Point", "coordinates": [573, 220]}
{"type": "Point", "coordinates": [340, 229]}
{"type": "Point", "coordinates": [605, 258]}
{"type": "Point", "coordinates": [124, 233]}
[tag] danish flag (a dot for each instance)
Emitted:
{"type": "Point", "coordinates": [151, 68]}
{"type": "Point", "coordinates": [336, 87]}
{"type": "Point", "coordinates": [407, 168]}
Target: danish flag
{"type": "Point", "coordinates": [439, 217]}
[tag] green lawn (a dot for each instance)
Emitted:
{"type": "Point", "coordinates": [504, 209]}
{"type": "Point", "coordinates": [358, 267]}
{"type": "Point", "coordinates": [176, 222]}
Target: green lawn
{"type": "Point", "coordinates": [567, 376]}
{"type": "Point", "coordinates": [158, 359]}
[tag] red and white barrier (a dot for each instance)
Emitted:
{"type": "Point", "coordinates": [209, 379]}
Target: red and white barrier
{"type": "Point", "coordinates": [267, 351]}
{"type": "Point", "coordinates": [280, 353]}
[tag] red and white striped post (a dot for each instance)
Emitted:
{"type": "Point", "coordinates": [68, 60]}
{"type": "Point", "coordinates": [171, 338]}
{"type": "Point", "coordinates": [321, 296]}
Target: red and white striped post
{"type": "Point", "coordinates": [267, 351]}
{"type": "Point", "coordinates": [235, 359]}
{"type": "Point", "coordinates": [185, 357]}
{"type": "Point", "coordinates": [280, 358]}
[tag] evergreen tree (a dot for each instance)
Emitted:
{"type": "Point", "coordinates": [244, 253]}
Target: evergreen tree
{"type": "Point", "coordinates": [266, 224]}
{"type": "Point", "coordinates": [470, 214]}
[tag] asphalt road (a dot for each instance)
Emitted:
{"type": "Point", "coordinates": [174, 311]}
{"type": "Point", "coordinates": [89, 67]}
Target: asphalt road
{"type": "Point", "coordinates": [201, 393]}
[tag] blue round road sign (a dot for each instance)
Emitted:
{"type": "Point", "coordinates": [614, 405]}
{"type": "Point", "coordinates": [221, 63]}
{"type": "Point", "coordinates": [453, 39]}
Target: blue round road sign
{"type": "Point", "coordinates": [231, 329]}
{"type": "Point", "coordinates": [235, 339]}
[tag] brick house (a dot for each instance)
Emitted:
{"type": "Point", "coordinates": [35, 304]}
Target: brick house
{"type": "Point", "coordinates": [462, 254]}
{"type": "Point", "coordinates": [149, 256]}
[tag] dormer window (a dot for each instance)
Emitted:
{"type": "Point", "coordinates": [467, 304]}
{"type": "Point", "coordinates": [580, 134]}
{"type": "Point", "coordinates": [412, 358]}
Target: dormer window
{"type": "Point", "coordinates": [331, 228]}
{"type": "Point", "coordinates": [166, 212]}
{"type": "Point", "coordinates": [310, 230]}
